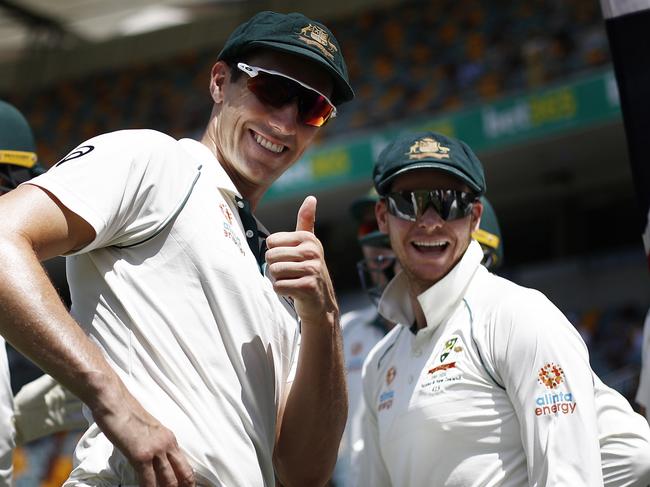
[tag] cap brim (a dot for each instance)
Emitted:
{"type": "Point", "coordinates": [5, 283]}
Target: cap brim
{"type": "Point", "coordinates": [342, 90]}
{"type": "Point", "coordinates": [383, 186]}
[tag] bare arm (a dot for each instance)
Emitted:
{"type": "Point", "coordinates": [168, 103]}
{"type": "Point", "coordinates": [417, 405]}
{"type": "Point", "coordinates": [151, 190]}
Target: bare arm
{"type": "Point", "coordinates": [34, 320]}
{"type": "Point", "coordinates": [313, 417]}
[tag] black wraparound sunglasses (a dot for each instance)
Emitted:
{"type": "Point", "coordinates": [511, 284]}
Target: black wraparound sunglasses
{"type": "Point", "coordinates": [450, 204]}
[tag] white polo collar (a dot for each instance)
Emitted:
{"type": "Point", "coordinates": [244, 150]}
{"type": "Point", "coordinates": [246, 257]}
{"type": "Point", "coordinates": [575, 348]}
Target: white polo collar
{"type": "Point", "coordinates": [438, 301]}
{"type": "Point", "coordinates": [202, 153]}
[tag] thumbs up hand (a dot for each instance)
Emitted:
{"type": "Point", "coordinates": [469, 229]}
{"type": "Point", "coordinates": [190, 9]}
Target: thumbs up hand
{"type": "Point", "coordinates": [296, 263]}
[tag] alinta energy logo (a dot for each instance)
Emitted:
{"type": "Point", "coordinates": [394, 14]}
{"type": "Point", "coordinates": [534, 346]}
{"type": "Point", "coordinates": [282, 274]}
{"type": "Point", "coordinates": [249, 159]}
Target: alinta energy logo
{"type": "Point", "coordinates": [551, 376]}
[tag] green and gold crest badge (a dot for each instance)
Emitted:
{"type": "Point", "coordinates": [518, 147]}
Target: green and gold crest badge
{"type": "Point", "coordinates": [318, 37]}
{"type": "Point", "coordinates": [428, 147]}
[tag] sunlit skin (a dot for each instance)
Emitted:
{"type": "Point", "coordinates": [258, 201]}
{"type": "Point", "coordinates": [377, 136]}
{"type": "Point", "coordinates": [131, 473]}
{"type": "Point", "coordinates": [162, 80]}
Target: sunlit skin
{"type": "Point", "coordinates": [238, 117]}
{"type": "Point", "coordinates": [414, 242]}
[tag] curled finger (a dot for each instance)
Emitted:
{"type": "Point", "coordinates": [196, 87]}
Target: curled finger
{"type": "Point", "coordinates": [183, 471]}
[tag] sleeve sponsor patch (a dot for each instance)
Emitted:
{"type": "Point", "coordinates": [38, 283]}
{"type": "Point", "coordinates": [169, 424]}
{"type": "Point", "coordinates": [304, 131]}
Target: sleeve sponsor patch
{"type": "Point", "coordinates": [556, 398]}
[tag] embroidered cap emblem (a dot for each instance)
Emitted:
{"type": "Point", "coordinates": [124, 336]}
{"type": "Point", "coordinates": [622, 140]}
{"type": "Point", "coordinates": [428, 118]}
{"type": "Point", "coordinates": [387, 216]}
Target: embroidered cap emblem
{"type": "Point", "coordinates": [318, 37]}
{"type": "Point", "coordinates": [428, 147]}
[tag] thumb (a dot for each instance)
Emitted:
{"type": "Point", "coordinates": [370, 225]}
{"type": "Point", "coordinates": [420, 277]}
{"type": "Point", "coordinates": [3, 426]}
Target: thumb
{"type": "Point", "coordinates": [307, 215]}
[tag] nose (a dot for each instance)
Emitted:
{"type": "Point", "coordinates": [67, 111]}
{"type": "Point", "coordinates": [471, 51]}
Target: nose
{"type": "Point", "coordinates": [285, 119]}
{"type": "Point", "coordinates": [430, 218]}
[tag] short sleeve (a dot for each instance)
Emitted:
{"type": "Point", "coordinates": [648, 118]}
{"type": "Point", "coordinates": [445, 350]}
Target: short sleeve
{"type": "Point", "coordinates": [127, 185]}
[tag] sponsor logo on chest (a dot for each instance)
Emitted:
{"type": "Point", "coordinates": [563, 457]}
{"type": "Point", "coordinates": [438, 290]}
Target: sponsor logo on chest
{"type": "Point", "coordinates": [386, 397]}
{"type": "Point", "coordinates": [444, 368]}
{"type": "Point", "coordinates": [228, 230]}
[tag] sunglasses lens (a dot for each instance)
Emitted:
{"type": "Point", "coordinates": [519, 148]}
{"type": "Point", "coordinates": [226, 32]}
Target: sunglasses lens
{"type": "Point", "coordinates": [314, 109]}
{"type": "Point", "coordinates": [450, 207]}
{"type": "Point", "coordinates": [403, 205]}
{"type": "Point", "coordinates": [272, 90]}
{"type": "Point", "coordinates": [449, 204]}
{"type": "Point", "coordinates": [276, 91]}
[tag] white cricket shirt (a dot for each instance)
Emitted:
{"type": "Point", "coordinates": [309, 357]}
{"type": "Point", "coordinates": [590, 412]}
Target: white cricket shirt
{"type": "Point", "coordinates": [435, 414]}
{"type": "Point", "coordinates": [171, 292]}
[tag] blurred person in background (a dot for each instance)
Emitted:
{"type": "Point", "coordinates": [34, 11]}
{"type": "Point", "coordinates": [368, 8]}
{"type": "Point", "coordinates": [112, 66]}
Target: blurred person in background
{"type": "Point", "coordinates": [196, 371]}
{"type": "Point", "coordinates": [457, 375]}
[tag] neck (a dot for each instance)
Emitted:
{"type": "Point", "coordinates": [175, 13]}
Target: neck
{"type": "Point", "coordinates": [420, 319]}
{"type": "Point", "coordinates": [252, 192]}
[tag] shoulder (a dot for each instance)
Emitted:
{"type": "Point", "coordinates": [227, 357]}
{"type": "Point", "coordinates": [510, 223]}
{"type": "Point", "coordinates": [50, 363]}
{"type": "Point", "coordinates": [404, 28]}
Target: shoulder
{"type": "Point", "coordinates": [133, 139]}
{"type": "Point", "coordinates": [508, 315]}
{"type": "Point", "coordinates": [120, 148]}
{"type": "Point", "coordinates": [489, 294]}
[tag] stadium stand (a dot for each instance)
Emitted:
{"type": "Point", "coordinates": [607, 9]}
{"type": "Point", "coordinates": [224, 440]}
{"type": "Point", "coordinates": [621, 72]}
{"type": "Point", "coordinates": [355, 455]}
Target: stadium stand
{"type": "Point", "coordinates": [423, 58]}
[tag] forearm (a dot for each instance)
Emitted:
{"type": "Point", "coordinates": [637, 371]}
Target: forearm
{"type": "Point", "coordinates": [316, 409]}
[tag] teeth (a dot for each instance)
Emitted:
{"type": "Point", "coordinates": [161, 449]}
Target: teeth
{"type": "Point", "coordinates": [267, 144]}
{"type": "Point", "coordinates": [430, 244]}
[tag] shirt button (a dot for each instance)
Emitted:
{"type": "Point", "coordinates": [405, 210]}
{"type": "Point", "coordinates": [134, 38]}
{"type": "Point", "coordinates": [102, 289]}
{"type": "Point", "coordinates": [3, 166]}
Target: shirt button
{"type": "Point", "coordinates": [410, 379]}
{"type": "Point", "coordinates": [417, 352]}
{"type": "Point", "coordinates": [240, 204]}
{"type": "Point", "coordinates": [249, 233]}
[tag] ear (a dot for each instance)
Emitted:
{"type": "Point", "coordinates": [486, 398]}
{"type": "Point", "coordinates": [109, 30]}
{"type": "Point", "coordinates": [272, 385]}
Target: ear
{"type": "Point", "coordinates": [218, 76]}
{"type": "Point", "coordinates": [381, 212]}
{"type": "Point", "coordinates": [477, 211]}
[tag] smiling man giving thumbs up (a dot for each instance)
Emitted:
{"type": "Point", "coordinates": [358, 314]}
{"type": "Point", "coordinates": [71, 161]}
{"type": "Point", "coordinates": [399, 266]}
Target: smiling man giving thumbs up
{"type": "Point", "coordinates": [296, 264]}
{"type": "Point", "coordinates": [186, 354]}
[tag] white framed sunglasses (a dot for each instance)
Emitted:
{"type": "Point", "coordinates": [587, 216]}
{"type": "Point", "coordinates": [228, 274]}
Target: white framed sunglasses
{"type": "Point", "coordinates": [277, 89]}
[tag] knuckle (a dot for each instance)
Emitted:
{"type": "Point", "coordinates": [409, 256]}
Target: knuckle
{"type": "Point", "coordinates": [187, 479]}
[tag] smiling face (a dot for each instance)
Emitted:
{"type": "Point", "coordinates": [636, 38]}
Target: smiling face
{"type": "Point", "coordinates": [429, 247]}
{"type": "Point", "coordinates": [255, 142]}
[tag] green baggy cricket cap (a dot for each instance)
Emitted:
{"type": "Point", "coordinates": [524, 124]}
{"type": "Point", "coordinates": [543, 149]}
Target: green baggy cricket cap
{"type": "Point", "coordinates": [17, 144]}
{"type": "Point", "coordinates": [428, 150]}
{"type": "Point", "coordinates": [295, 34]}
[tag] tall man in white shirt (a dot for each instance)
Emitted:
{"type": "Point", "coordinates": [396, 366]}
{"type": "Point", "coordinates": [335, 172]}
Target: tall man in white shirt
{"type": "Point", "coordinates": [482, 382]}
{"type": "Point", "coordinates": [183, 337]}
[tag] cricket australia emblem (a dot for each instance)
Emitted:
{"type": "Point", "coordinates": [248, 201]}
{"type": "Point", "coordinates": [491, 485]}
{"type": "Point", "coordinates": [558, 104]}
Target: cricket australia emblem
{"type": "Point", "coordinates": [444, 370]}
{"type": "Point", "coordinates": [318, 37]}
